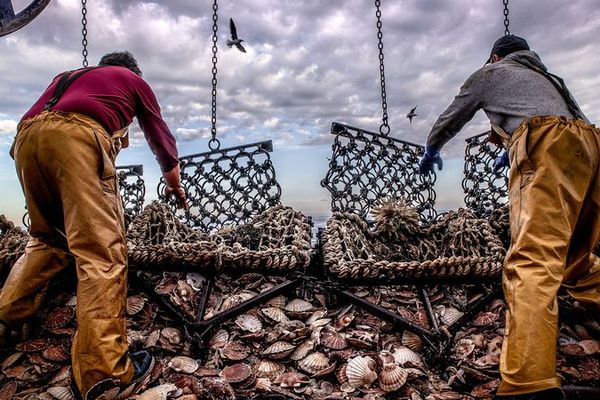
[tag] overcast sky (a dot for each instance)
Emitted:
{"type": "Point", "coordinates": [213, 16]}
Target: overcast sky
{"type": "Point", "coordinates": [308, 63]}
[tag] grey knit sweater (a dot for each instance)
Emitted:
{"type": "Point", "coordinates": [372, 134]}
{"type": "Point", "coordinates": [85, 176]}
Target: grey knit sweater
{"type": "Point", "coordinates": [507, 91]}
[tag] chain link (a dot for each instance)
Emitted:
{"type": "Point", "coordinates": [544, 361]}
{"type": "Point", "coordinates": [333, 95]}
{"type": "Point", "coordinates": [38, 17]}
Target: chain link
{"type": "Point", "coordinates": [84, 32]}
{"type": "Point", "coordinates": [506, 21]}
{"type": "Point", "coordinates": [384, 129]}
{"type": "Point", "coordinates": [214, 143]}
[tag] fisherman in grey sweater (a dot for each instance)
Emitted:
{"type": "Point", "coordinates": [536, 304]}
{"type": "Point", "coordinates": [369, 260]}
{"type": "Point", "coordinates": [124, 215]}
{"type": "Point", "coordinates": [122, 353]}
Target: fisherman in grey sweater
{"type": "Point", "coordinates": [554, 199]}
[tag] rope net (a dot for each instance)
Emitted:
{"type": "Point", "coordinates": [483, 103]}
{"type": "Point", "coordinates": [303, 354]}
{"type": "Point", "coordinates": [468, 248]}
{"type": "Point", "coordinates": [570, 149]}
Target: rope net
{"type": "Point", "coordinates": [398, 246]}
{"type": "Point", "coordinates": [276, 240]}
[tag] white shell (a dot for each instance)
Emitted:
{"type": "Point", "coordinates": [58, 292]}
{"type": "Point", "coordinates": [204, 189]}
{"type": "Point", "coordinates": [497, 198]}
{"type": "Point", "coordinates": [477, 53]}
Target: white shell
{"type": "Point", "coordinates": [333, 340]}
{"type": "Point", "coordinates": [160, 392]}
{"type": "Point", "coordinates": [219, 339]}
{"type": "Point", "coordinates": [412, 340]}
{"type": "Point", "coordinates": [249, 323]}
{"type": "Point", "coordinates": [279, 302]}
{"type": "Point", "coordinates": [314, 363]}
{"type": "Point", "coordinates": [360, 371]}
{"type": "Point", "coordinates": [275, 313]}
{"type": "Point", "coordinates": [403, 355]}
{"type": "Point", "coordinates": [279, 350]}
{"type": "Point", "coordinates": [183, 364]}
{"type": "Point", "coordinates": [448, 315]}
{"type": "Point", "coordinates": [299, 306]}
{"type": "Point", "coordinates": [392, 377]}
{"type": "Point", "coordinates": [269, 369]}
{"type": "Point", "coordinates": [61, 392]}
{"type": "Point", "coordinates": [302, 350]}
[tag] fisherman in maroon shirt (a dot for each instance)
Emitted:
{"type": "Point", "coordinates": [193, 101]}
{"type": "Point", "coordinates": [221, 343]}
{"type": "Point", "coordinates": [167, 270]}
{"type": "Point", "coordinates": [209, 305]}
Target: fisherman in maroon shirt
{"type": "Point", "coordinates": [65, 152]}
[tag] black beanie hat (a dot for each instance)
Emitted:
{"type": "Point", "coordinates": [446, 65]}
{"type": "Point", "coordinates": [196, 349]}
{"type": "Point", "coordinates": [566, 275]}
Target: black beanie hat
{"type": "Point", "coordinates": [508, 44]}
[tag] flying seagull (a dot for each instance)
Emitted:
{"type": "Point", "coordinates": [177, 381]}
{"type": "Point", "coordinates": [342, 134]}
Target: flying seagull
{"type": "Point", "coordinates": [234, 38]}
{"type": "Point", "coordinates": [411, 114]}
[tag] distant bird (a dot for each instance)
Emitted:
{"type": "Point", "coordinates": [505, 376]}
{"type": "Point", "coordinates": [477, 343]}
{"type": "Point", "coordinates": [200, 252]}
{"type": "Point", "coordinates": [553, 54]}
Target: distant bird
{"type": "Point", "coordinates": [411, 114]}
{"type": "Point", "coordinates": [234, 38]}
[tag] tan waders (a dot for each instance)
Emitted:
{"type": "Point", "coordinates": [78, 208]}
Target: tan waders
{"type": "Point", "coordinates": [65, 163]}
{"type": "Point", "coordinates": [555, 225]}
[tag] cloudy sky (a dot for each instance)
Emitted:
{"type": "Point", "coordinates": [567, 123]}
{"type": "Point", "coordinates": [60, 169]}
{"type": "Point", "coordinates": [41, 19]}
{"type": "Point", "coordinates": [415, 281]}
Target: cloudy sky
{"type": "Point", "coordinates": [308, 63]}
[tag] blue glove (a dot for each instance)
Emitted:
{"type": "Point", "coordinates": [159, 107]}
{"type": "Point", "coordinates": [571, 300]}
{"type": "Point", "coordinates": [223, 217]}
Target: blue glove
{"type": "Point", "coordinates": [501, 161]}
{"type": "Point", "coordinates": [430, 158]}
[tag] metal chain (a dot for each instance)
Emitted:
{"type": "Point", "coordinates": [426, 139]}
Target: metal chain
{"type": "Point", "coordinates": [214, 143]}
{"type": "Point", "coordinates": [384, 129]}
{"type": "Point", "coordinates": [84, 32]}
{"type": "Point", "coordinates": [506, 21]}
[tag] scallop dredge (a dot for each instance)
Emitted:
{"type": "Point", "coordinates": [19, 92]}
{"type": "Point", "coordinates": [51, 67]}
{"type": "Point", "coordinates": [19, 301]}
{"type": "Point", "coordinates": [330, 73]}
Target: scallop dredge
{"type": "Point", "coordinates": [304, 343]}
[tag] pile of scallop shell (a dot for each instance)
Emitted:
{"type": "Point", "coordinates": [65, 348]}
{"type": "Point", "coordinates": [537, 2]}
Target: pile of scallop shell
{"type": "Point", "coordinates": [302, 345]}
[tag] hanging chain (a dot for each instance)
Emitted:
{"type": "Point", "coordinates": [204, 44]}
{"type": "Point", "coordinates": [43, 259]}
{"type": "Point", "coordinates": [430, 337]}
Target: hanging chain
{"type": "Point", "coordinates": [384, 129]}
{"type": "Point", "coordinates": [506, 21]}
{"type": "Point", "coordinates": [84, 32]}
{"type": "Point", "coordinates": [214, 143]}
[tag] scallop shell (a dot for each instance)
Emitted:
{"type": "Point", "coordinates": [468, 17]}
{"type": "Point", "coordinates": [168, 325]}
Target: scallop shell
{"type": "Point", "coordinates": [360, 371]}
{"type": "Point", "coordinates": [344, 321]}
{"type": "Point", "coordinates": [275, 313]}
{"type": "Point", "coordinates": [386, 357]}
{"type": "Point", "coordinates": [61, 392]}
{"type": "Point", "coordinates": [269, 369]}
{"type": "Point", "coordinates": [316, 315]}
{"type": "Point", "coordinates": [219, 339]}
{"type": "Point", "coordinates": [291, 380]}
{"type": "Point", "coordinates": [573, 349]}
{"type": "Point", "coordinates": [590, 346]}
{"type": "Point", "coordinates": [448, 315]}
{"type": "Point", "coordinates": [56, 353]}
{"type": "Point", "coordinates": [279, 302]}
{"type": "Point", "coordinates": [333, 340]}
{"type": "Point", "coordinates": [235, 351]}
{"type": "Point", "coordinates": [249, 323]}
{"type": "Point", "coordinates": [59, 318]}
{"type": "Point", "coordinates": [160, 392]}
{"type": "Point", "coordinates": [135, 304]}
{"type": "Point", "coordinates": [392, 377]}
{"type": "Point", "coordinates": [298, 307]}
{"type": "Point", "coordinates": [485, 318]}
{"type": "Point", "coordinates": [340, 374]}
{"type": "Point", "coordinates": [404, 355]}
{"type": "Point", "coordinates": [237, 373]}
{"type": "Point", "coordinates": [279, 350]}
{"type": "Point", "coordinates": [314, 363]}
{"type": "Point", "coordinates": [303, 350]}
{"type": "Point", "coordinates": [195, 280]}
{"type": "Point", "coordinates": [32, 345]}
{"type": "Point", "coordinates": [320, 322]}
{"type": "Point", "coordinates": [463, 348]}
{"type": "Point", "coordinates": [9, 390]}
{"type": "Point", "coordinates": [412, 340]}
{"type": "Point", "coordinates": [183, 364]}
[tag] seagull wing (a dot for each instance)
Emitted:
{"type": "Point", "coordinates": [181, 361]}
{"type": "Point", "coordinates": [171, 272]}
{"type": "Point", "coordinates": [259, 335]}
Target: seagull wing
{"type": "Point", "coordinates": [240, 47]}
{"type": "Point", "coordinates": [232, 29]}
{"type": "Point", "coordinates": [413, 110]}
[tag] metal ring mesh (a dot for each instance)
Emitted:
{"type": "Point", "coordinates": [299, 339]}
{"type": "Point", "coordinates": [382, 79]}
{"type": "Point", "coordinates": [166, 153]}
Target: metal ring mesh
{"type": "Point", "coordinates": [366, 166]}
{"type": "Point", "coordinates": [484, 189]}
{"type": "Point", "coordinates": [227, 186]}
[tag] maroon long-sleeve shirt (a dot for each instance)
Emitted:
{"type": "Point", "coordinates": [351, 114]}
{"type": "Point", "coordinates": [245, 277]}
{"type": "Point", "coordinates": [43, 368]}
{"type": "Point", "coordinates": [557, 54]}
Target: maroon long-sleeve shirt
{"type": "Point", "coordinates": [112, 96]}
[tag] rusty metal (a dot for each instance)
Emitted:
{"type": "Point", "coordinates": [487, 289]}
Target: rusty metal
{"type": "Point", "coordinates": [484, 189]}
{"type": "Point", "coordinates": [227, 186]}
{"type": "Point", "coordinates": [366, 166]}
{"type": "Point", "coordinates": [11, 22]}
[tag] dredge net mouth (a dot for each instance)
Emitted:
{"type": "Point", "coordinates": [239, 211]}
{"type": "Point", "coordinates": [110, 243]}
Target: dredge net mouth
{"type": "Point", "coordinates": [396, 245]}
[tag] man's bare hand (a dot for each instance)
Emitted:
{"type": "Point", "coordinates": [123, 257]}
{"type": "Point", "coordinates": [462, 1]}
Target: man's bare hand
{"type": "Point", "coordinates": [173, 181]}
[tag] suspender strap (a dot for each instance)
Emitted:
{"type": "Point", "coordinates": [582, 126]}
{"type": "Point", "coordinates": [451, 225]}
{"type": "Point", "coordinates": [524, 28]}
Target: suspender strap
{"type": "Point", "coordinates": [559, 84]}
{"type": "Point", "coordinates": [66, 80]}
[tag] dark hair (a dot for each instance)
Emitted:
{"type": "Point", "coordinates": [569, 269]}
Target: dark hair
{"type": "Point", "coordinates": [121, 59]}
